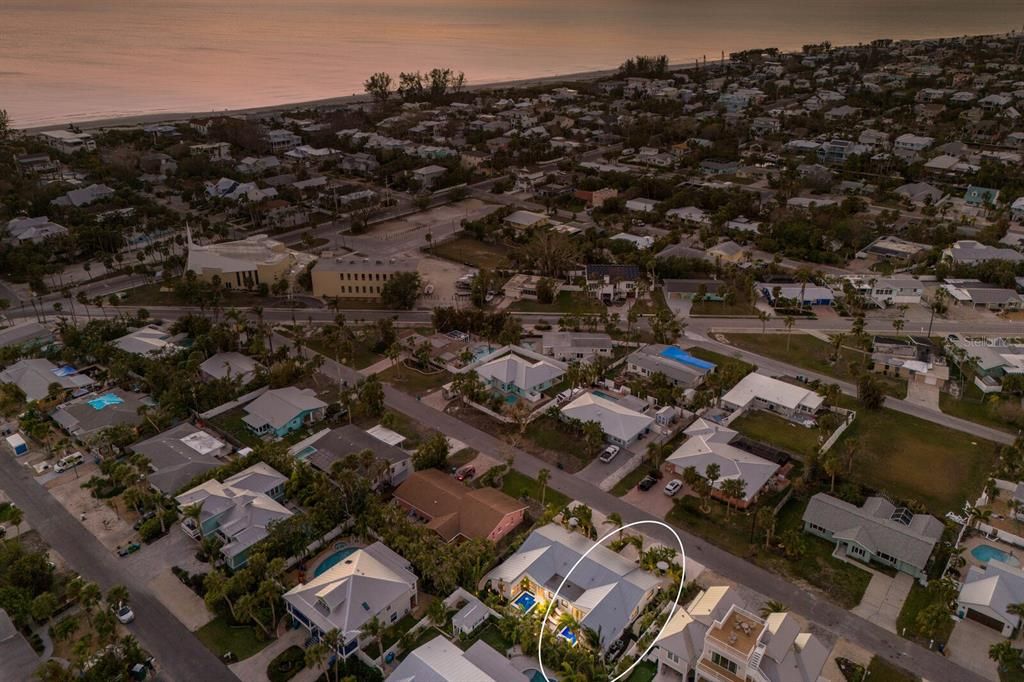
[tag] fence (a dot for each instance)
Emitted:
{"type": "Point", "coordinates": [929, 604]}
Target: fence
{"type": "Point", "coordinates": [850, 416]}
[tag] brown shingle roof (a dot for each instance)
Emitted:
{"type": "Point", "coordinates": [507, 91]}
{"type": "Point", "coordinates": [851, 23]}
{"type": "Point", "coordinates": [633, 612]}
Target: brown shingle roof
{"type": "Point", "coordinates": [453, 508]}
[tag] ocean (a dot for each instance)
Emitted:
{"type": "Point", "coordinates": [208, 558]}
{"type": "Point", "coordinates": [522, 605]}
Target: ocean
{"type": "Point", "coordinates": [76, 60]}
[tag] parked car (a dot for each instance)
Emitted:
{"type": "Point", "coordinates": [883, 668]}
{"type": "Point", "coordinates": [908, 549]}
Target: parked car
{"type": "Point", "coordinates": [142, 519]}
{"type": "Point", "coordinates": [673, 487]}
{"type": "Point", "coordinates": [466, 473]}
{"type": "Point", "coordinates": [646, 483]}
{"type": "Point", "coordinates": [128, 549]}
{"type": "Point", "coordinates": [124, 613]}
{"type": "Point", "coordinates": [609, 453]}
{"type": "Point", "coordinates": [68, 462]}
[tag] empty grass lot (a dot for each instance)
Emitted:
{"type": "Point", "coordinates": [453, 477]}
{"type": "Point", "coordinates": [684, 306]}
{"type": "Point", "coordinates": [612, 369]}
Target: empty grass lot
{"type": "Point", "coordinates": [565, 302]}
{"type": "Point", "coordinates": [915, 459]}
{"type": "Point", "coordinates": [517, 485]}
{"type": "Point", "coordinates": [472, 252]}
{"type": "Point", "coordinates": [811, 353]}
{"type": "Point", "coordinates": [972, 407]}
{"type": "Point", "coordinates": [774, 430]}
{"type": "Point", "coordinates": [241, 640]}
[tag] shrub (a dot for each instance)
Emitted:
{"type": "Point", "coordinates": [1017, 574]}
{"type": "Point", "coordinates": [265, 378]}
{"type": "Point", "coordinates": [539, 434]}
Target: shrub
{"type": "Point", "coordinates": [286, 664]}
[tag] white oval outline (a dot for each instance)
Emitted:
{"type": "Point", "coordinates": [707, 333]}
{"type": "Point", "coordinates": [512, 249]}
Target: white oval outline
{"type": "Point", "coordinates": [600, 542]}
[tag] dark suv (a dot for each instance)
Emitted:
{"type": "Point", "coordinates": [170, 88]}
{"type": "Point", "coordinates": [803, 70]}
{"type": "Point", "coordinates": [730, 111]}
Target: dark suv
{"type": "Point", "coordinates": [647, 482]}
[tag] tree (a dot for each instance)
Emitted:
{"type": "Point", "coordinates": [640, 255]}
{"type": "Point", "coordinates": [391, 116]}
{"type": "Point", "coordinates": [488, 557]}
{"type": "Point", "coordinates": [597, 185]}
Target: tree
{"type": "Point", "coordinates": [317, 656]}
{"type": "Point", "coordinates": [734, 489]}
{"type": "Point", "coordinates": [117, 595]}
{"type": "Point", "coordinates": [401, 290]}
{"type": "Point", "coordinates": [764, 316]}
{"type": "Point", "coordinates": [5, 125]}
{"type": "Point", "coordinates": [869, 392]}
{"type": "Point", "coordinates": [371, 397]}
{"type": "Point", "coordinates": [543, 476]}
{"type": "Point", "coordinates": [788, 321]}
{"type": "Point", "coordinates": [374, 629]}
{"type": "Point", "coordinates": [615, 519]}
{"type": "Point", "coordinates": [15, 516]}
{"type": "Point", "coordinates": [437, 612]}
{"type": "Point", "coordinates": [593, 438]}
{"type": "Point", "coordinates": [665, 327]}
{"type": "Point", "coordinates": [831, 464]}
{"type": "Point", "coordinates": [379, 86]}
{"type": "Point", "coordinates": [89, 595]}
{"type": "Point", "coordinates": [432, 453]}
{"type": "Point", "coordinates": [545, 290]}
{"type": "Point", "coordinates": [1005, 655]}
{"type": "Point", "coordinates": [772, 606]}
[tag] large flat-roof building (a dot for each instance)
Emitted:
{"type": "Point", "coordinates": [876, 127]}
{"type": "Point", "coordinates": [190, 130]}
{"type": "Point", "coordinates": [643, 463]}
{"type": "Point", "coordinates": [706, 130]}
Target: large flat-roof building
{"type": "Point", "coordinates": [246, 263]}
{"type": "Point", "coordinates": [350, 277]}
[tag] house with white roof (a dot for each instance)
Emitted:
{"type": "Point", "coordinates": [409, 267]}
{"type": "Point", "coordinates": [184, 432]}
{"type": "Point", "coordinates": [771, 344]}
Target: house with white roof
{"type": "Point", "coordinates": [605, 592]}
{"type": "Point", "coordinates": [441, 661]}
{"type": "Point", "coordinates": [517, 371]}
{"type": "Point", "coordinates": [370, 582]}
{"type": "Point", "coordinates": [280, 411]}
{"type": "Point", "coordinates": [760, 392]}
{"type": "Point", "coordinates": [988, 593]}
{"type": "Point", "coordinates": [621, 424]}
{"type": "Point", "coordinates": [238, 511]}
{"type": "Point", "coordinates": [971, 252]}
{"type": "Point", "coordinates": [229, 365]}
{"type": "Point", "coordinates": [710, 443]}
{"type": "Point", "coordinates": [149, 340]}
{"type": "Point", "coordinates": [68, 141]}
{"type": "Point", "coordinates": [713, 638]}
{"type": "Point", "coordinates": [33, 230]}
{"type": "Point", "coordinates": [575, 346]}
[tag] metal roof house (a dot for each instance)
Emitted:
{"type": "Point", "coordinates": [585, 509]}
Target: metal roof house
{"type": "Point", "coordinates": [34, 377]}
{"type": "Point", "coordinates": [761, 392]}
{"type": "Point", "coordinates": [280, 411]}
{"type": "Point", "coordinates": [179, 454]}
{"type": "Point", "coordinates": [372, 581]}
{"type": "Point", "coordinates": [329, 447]}
{"type": "Point", "coordinates": [239, 511]}
{"type": "Point", "coordinates": [441, 661]}
{"type": "Point", "coordinates": [988, 593]}
{"type": "Point", "coordinates": [677, 365]}
{"type": "Point", "coordinates": [605, 592]}
{"type": "Point", "coordinates": [90, 414]}
{"type": "Point", "coordinates": [515, 370]}
{"type": "Point", "coordinates": [621, 424]}
{"type": "Point", "coordinates": [879, 531]}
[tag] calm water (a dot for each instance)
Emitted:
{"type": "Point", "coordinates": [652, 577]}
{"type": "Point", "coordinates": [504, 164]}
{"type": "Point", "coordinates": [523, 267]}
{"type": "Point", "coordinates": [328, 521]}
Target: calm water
{"type": "Point", "coordinates": [64, 60]}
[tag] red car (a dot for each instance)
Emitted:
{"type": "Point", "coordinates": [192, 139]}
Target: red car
{"type": "Point", "coordinates": [465, 473]}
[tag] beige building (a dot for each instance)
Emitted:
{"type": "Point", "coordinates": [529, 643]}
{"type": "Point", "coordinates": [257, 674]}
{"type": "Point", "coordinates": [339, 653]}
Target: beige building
{"type": "Point", "coordinates": [348, 277]}
{"type": "Point", "coordinates": [247, 263]}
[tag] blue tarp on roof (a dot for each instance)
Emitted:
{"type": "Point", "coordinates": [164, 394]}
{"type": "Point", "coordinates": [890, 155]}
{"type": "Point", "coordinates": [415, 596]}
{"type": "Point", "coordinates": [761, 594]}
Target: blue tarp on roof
{"type": "Point", "coordinates": [65, 371]}
{"type": "Point", "coordinates": [679, 355]}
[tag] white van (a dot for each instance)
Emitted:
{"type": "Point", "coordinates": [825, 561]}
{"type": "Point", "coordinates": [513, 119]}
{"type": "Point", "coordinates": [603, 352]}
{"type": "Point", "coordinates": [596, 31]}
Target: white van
{"type": "Point", "coordinates": [68, 462]}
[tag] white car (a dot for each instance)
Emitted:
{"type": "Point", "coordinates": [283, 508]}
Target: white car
{"type": "Point", "coordinates": [124, 614]}
{"type": "Point", "coordinates": [609, 453]}
{"type": "Point", "coordinates": [673, 487]}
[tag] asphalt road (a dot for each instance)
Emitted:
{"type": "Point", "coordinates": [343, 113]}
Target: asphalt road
{"type": "Point", "coordinates": [180, 657]}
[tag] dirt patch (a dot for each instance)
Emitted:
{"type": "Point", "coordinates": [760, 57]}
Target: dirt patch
{"type": "Point", "coordinates": [97, 517]}
{"type": "Point", "coordinates": [442, 275]}
{"type": "Point", "coordinates": [185, 604]}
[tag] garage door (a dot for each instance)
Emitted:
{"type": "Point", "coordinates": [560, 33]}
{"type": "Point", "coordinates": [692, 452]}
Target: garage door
{"type": "Point", "coordinates": [985, 619]}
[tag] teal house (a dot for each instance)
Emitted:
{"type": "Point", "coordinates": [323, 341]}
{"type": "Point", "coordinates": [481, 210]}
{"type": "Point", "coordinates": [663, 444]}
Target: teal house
{"type": "Point", "coordinates": [281, 411]}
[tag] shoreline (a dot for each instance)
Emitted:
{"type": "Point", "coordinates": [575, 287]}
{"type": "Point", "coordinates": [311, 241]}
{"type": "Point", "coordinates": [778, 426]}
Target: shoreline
{"type": "Point", "coordinates": [135, 120]}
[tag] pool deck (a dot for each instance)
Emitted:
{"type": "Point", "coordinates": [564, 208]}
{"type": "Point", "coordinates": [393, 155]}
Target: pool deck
{"type": "Point", "coordinates": [976, 540]}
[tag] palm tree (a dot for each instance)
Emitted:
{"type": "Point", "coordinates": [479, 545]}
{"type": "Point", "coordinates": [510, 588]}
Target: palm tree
{"type": "Point", "coordinates": [831, 464]}
{"type": "Point", "coordinates": [374, 629]}
{"type": "Point", "coordinates": [16, 516]}
{"type": "Point", "coordinates": [772, 606]}
{"type": "Point", "coordinates": [766, 520]}
{"type": "Point", "coordinates": [117, 595]}
{"type": "Point", "coordinates": [569, 621]}
{"type": "Point", "coordinates": [543, 476]}
{"type": "Point", "coordinates": [614, 519]}
{"type": "Point", "coordinates": [734, 489]}
{"type": "Point", "coordinates": [1004, 654]}
{"type": "Point", "coordinates": [89, 595]}
{"type": "Point", "coordinates": [764, 316]}
{"type": "Point", "coordinates": [317, 656]}
{"type": "Point", "coordinates": [437, 612]}
{"type": "Point", "coordinates": [788, 321]}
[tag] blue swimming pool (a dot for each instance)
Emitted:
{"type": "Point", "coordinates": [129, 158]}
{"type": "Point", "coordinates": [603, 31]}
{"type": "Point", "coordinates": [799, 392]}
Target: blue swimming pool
{"type": "Point", "coordinates": [535, 675]}
{"type": "Point", "coordinates": [602, 394]}
{"type": "Point", "coordinates": [105, 400]}
{"type": "Point", "coordinates": [333, 560]}
{"type": "Point", "coordinates": [305, 453]}
{"type": "Point", "coordinates": [987, 553]}
{"type": "Point", "coordinates": [526, 601]}
{"type": "Point", "coordinates": [568, 636]}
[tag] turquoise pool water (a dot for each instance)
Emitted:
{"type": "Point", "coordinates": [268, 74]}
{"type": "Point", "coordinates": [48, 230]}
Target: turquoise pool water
{"type": "Point", "coordinates": [305, 452]}
{"type": "Point", "coordinates": [535, 675]}
{"type": "Point", "coordinates": [986, 553]}
{"type": "Point", "coordinates": [525, 601]}
{"type": "Point", "coordinates": [333, 560]}
{"type": "Point", "coordinates": [105, 401]}
{"type": "Point", "coordinates": [602, 394]}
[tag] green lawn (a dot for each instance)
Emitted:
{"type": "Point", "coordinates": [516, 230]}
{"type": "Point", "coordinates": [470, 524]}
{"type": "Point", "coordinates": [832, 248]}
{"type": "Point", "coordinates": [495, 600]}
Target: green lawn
{"type": "Point", "coordinates": [718, 358]}
{"type": "Point", "coordinates": [843, 582]}
{"type": "Point", "coordinates": [565, 302]}
{"type": "Point", "coordinates": [361, 358]}
{"type": "Point", "coordinates": [242, 641]}
{"type": "Point", "coordinates": [425, 635]}
{"type": "Point", "coordinates": [462, 457]}
{"type": "Point", "coordinates": [972, 408]}
{"type": "Point", "coordinates": [412, 380]}
{"type": "Point", "coordinates": [489, 633]}
{"type": "Point", "coordinates": [881, 670]}
{"type": "Point", "coordinates": [774, 430]}
{"type": "Point", "coordinates": [517, 485]}
{"type": "Point", "coordinates": [914, 459]}
{"type": "Point", "coordinates": [473, 252]}
{"type": "Point", "coordinates": [918, 600]}
{"type": "Point", "coordinates": [630, 480]}
{"type": "Point", "coordinates": [723, 309]}
{"type": "Point", "coordinates": [644, 672]}
{"type": "Point", "coordinates": [391, 635]}
{"type": "Point", "coordinates": [811, 353]}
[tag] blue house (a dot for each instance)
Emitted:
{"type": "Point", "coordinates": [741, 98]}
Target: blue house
{"type": "Point", "coordinates": [280, 411]}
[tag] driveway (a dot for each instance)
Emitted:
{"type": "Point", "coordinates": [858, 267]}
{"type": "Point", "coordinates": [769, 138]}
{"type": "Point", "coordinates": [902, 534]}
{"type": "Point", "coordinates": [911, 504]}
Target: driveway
{"type": "Point", "coordinates": [883, 599]}
{"type": "Point", "coordinates": [925, 395]}
{"type": "Point", "coordinates": [254, 668]}
{"type": "Point", "coordinates": [968, 646]}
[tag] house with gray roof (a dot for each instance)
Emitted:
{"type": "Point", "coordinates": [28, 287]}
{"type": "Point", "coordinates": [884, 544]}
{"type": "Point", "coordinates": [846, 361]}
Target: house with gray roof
{"type": "Point", "coordinates": [878, 531]}
{"type": "Point", "coordinates": [675, 364]}
{"type": "Point", "coordinates": [149, 340]}
{"type": "Point", "coordinates": [370, 582]}
{"type": "Point", "coordinates": [84, 196]}
{"type": "Point", "coordinates": [238, 511]}
{"type": "Point", "coordinates": [280, 411]}
{"type": "Point", "coordinates": [576, 346]}
{"type": "Point", "coordinates": [33, 230]}
{"type": "Point", "coordinates": [34, 377]}
{"type": "Point", "coordinates": [988, 593]}
{"type": "Point", "coordinates": [441, 661]}
{"type": "Point", "coordinates": [26, 335]}
{"type": "Point", "coordinates": [233, 365]}
{"type": "Point", "coordinates": [605, 591]}
{"type": "Point", "coordinates": [86, 416]}
{"type": "Point", "coordinates": [518, 371]}
{"type": "Point", "coordinates": [329, 447]}
{"type": "Point", "coordinates": [970, 252]}
{"type": "Point", "coordinates": [18, 661]}
{"type": "Point", "coordinates": [179, 454]}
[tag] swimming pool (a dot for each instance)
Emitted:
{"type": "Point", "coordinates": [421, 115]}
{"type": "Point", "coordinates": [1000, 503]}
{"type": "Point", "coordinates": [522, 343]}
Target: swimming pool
{"type": "Point", "coordinates": [986, 553]}
{"type": "Point", "coordinates": [333, 560]}
{"type": "Point", "coordinates": [105, 400]}
{"type": "Point", "coordinates": [568, 636]}
{"type": "Point", "coordinates": [526, 601]}
{"type": "Point", "coordinates": [535, 675]}
{"type": "Point", "coordinates": [602, 394]}
{"type": "Point", "coordinates": [305, 452]}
